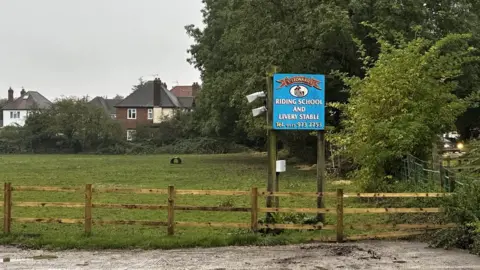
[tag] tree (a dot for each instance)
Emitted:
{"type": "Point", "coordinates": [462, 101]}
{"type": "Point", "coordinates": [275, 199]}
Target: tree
{"type": "Point", "coordinates": [74, 124]}
{"type": "Point", "coordinates": [403, 103]}
{"type": "Point", "coordinates": [243, 38]}
{"type": "Point", "coordinates": [3, 101]}
{"type": "Point", "coordinates": [140, 83]}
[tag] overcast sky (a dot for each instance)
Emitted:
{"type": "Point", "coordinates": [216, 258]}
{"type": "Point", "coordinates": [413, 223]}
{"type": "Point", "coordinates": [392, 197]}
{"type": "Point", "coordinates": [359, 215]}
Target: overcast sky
{"type": "Point", "coordinates": [94, 47]}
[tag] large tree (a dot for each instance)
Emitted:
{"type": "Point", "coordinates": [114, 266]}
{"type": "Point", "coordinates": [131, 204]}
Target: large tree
{"type": "Point", "coordinates": [241, 39]}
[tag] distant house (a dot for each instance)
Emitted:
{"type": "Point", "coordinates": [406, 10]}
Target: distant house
{"type": "Point", "coordinates": [108, 105]}
{"type": "Point", "coordinates": [186, 90]}
{"type": "Point", "coordinates": [15, 111]}
{"type": "Point", "coordinates": [149, 104]}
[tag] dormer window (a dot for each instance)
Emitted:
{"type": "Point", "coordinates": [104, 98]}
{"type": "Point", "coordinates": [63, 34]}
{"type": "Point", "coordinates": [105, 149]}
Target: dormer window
{"type": "Point", "coordinates": [25, 97]}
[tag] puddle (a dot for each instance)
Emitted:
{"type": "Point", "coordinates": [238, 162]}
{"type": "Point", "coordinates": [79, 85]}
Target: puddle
{"type": "Point", "coordinates": [44, 257]}
{"type": "Point", "coordinates": [39, 257]}
{"type": "Point", "coordinates": [7, 260]}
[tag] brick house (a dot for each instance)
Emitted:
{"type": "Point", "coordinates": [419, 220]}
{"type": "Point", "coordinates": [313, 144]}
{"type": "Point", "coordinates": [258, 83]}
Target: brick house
{"type": "Point", "coordinates": [149, 104]}
{"type": "Point", "coordinates": [186, 90]}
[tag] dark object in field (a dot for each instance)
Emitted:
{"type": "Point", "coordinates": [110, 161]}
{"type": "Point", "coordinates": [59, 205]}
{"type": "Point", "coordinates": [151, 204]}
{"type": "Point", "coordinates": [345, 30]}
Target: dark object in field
{"type": "Point", "coordinates": [176, 160]}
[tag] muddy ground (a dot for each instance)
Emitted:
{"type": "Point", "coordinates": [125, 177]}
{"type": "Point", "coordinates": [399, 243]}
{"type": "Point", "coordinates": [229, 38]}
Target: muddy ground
{"type": "Point", "coordinates": [361, 255]}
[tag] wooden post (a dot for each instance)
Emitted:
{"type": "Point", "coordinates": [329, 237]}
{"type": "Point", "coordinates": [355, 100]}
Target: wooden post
{"type": "Point", "coordinates": [272, 183]}
{"type": "Point", "coordinates": [88, 209]}
{"type": "Point", "coordinates": [171, 212]}
{"type": "Point", "coordinates": [272, 163]}
{"type": "Point", "coordinates": [7, 207]}
{"type": "Point", "coordinates": [320, 173]}
{"type": "Point", "coordinates": [254, 211]}
{"type": "Point", "coordinates": [449, 161]}
{"type": "Point", "coordinates": [339, 215]}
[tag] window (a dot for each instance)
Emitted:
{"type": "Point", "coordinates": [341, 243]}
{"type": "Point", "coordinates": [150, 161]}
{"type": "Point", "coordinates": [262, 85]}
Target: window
{"type": "Point", "coordinates": [130, 134]}
{"type": "Point", "coordinates": [150, 114]}
{"type": "Point", "coordinates": [14, 115]}
{"type": "Point", "coordinates": [132, 114]}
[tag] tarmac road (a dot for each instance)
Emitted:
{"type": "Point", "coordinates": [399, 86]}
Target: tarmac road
{"type": "Point", "coordinates": [360, 255]}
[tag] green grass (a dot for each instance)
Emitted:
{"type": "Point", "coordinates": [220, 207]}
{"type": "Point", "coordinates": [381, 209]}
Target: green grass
{"type": "Point", "coordinates": [221, 172]}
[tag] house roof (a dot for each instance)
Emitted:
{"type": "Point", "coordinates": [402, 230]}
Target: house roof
{"type": "Point", "coordinates": [143, 97]}
{"type": "Point", "coordinates": [187, 102]}
{"type": "Point", "coordinates": [106, 104]}
{"type": "Point", "coordinates": [30, 100]}
{"type": "Point", "coordinates": [182, 90]}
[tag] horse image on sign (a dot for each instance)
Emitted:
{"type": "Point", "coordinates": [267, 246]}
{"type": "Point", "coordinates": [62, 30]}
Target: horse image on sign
{"type": "Point", "coordinates": [299, 91]}
{"type": "Point", "coordinates": [298, 102]}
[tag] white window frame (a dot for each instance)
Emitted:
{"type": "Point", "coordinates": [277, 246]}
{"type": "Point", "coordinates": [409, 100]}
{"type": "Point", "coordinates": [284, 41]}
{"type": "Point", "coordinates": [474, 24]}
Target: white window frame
{"type": "Point", "coordinates": [131, 113]}
{"type": "Point", "coordinates": [130, 134]}
{"type": "Point", "coordinates": [150, 114]}
{"type": "Point", "coordinates": [14, 114]}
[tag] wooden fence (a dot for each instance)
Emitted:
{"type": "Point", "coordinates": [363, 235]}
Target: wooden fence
{"type": "Point", "coordinates": [254, 209]}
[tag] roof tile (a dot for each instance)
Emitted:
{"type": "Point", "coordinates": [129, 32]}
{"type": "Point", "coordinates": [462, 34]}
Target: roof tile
{"type": "Point", "coordinates": [30, 100]}
{"type": "Point", "coordinates": [143, 97]}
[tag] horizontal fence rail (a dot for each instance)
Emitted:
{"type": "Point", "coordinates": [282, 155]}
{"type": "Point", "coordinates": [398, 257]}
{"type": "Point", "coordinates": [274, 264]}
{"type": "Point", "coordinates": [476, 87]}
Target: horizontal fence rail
{"type": "Point", "coordinates": [171, 207]}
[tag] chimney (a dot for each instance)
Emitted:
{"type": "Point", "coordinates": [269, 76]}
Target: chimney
{"type": "Point", "coordinates": [195, 89]}
{"type": "Point", "coordinates": [10, 94]}
{"type": "Point", "coordinates": [22, 92]}
{"type": "Point", "coordinates": [157, 88]}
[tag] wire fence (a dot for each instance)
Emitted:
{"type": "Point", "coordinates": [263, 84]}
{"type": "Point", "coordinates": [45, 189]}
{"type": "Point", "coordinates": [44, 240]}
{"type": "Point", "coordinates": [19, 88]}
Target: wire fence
{"type": "Point", "coordinates": [420, 171]}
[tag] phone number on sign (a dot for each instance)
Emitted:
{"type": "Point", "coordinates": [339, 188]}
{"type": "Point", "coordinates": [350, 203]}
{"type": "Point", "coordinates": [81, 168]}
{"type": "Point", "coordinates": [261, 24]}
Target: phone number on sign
{"type": "Point", "coordinates": [301, 125]}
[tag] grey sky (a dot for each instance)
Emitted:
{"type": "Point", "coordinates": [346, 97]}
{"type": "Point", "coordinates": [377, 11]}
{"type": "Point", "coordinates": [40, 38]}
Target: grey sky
{"type": "Point", "coordinates": [94, 47]}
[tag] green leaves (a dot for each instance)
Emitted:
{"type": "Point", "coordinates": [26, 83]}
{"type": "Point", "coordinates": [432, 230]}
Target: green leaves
{"type": "Point", "coordinates": [404, 102]}
{"type": "Point", "coordinates": [72, 123]}
{"type": "Point", "coordinates": [242, 38]}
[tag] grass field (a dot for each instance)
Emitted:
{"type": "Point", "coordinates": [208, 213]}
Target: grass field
{"type": "Point", "coordinates": [220, 172]}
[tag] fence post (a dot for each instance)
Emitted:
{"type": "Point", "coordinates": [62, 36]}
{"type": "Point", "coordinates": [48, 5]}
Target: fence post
{"type": "Point", "coordinates": [171, 212]}
{"type": "Point", "coordinates": [340, 215]}
{"type": "Point", "coordinates": [254, 211]}
{"type": "Point", "coordinates": [7, 207]}
{"type": "Point", "coordinates": [88, 209]}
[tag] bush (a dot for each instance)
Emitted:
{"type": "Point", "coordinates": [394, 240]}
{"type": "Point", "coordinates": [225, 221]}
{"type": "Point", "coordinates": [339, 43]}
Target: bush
{"type": "Point", "coordinates": [112, 149]}
{"type": "Point", "coordinates": [462, 208]}
{"type": "Point", "coordinates": [409, 113]}
{"type": "Point", "coordinates": [202, 145]}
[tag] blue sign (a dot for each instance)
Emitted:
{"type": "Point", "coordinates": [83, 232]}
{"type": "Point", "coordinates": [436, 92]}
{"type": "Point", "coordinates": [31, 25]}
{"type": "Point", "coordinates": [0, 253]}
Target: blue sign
{"type": "Point", "coordinates": [298, 102]}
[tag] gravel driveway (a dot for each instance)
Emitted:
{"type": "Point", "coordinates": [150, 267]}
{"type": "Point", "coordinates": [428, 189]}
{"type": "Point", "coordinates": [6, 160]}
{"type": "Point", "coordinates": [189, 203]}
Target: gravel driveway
{"type": "Point", "coordinates": [360, 255]}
